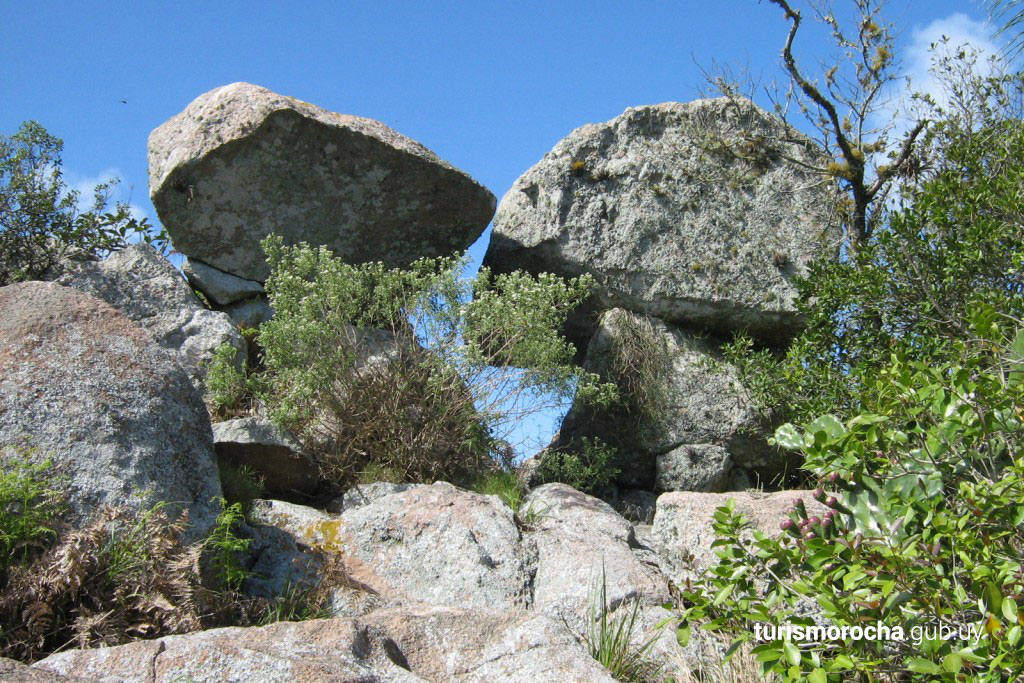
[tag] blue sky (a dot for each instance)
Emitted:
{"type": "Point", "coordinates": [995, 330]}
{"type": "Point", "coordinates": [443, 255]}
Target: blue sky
{"type": "Point", "coordinates": [488, 85]}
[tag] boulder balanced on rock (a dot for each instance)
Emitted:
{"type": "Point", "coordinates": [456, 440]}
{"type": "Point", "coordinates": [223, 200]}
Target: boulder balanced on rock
{"type": "Point", "coordinates": [242, 162]}
{"type": "Point", "coordinates": [699, 214]}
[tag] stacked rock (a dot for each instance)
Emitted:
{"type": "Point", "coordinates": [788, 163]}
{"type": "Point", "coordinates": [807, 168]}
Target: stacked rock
{"type": "Point", "coordinates": [694, 220]}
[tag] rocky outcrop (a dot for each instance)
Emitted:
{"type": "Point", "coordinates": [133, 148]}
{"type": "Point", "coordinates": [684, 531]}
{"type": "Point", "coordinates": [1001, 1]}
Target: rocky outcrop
{"type": "Point", "coordinates": [255, 443]}
{"type": "Point", "coordinates": [438, 544]}
{"type": "Point", "coordinates": [700, 214]}
{"type": "Point", "coordinates": [683, 528]}
{"type": "Point", "coordinates": [241, 162]}
{"type": "Point", "coordinates": [700, 429]}
{"type": "Point", "coordinates": [407, 644]}
{"type": "Point", "coordinates": [144, 286]}
{"type": "Point", "coordinates": [90, 390]}
{"type": "Point", "coordinates": [581, 543]}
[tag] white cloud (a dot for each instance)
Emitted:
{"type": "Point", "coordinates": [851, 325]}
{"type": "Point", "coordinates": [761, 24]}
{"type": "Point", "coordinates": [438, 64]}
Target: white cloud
{"type": "Point", "coordinates": [958, 30]}
{"type": "Point", "coordinates": [86, 184]}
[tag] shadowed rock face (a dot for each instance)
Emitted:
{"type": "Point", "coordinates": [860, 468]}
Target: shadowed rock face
{"type": "Point", "coordinates": [242, 162]}
{"type": "Point", "coordinates": [688, 212]}
{"type": "Point", "coordinates": [92, 391]}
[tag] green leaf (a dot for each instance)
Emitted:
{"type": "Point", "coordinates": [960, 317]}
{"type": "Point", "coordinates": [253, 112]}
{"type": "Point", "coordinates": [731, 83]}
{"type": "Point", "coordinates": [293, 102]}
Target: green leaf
{"type": "Point", "coordinates": [683, 634]}
{"type": "Point", "coordinates": [952, 663]}
{"type": "Point", "coordinates": [1009, 609]}
{"type": "Point", "coordinates": [923, 666]}
{"type": "Point", "coordinates": [792, 652]}
{"type": "Point", "coordinates": [818, 676]}
{"type": "Point", "coordinates": [723, 594]}
{"type": "Point", "coordinates": [789, 437]}
{"type": "Point", "coordinates": [829, 424]}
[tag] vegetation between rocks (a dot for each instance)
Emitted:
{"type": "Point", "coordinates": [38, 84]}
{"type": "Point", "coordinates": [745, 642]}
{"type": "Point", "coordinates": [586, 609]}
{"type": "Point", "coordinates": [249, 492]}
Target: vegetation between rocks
{"type": "Point", "coordinates": [414, 370]}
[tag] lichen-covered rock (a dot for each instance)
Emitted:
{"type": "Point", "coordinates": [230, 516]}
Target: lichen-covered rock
{"type": "Point", "coordinates": [364, 494]}
{"type": "Point", "coordinates": [219, 287]}
{"type": "Point", "coordinates": [241, 162]}
{"type": "Point", "coordinates": [320, 651]}
{"type": "Point", "coordinates": [438, 544]}
{"type": "Point", "coordinates": [404, 644]}
{"type": "Point", "coordinates": [144, 286]}
{"type": "Point", "coordinates": [699, 213]}
{"type": "Point", "coordinates": [255, 443]}
{"type": "Point", "coordinates": [91, 391]}
{"type": "Point", "coordinates": [706, 425]}
{"type": "Point", "coordinates": [581, 541]}
{"type": "Point", "coordinates": [683, 525]}
{"type": "Point", "coordinates": [693, 467]}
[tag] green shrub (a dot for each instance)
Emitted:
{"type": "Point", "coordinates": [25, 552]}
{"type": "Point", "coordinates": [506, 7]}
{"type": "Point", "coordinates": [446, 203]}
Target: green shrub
{"type": "Point", "coordinates": [225, 381]}
{"type": "Point", "coordinates": [40, 222]}
{"type": "Point", "coordinates": [590, 469]}
{"type": "Point", "coordinates": [29, 504]}
{"type": "Point", "coordinates": [925, 529]}
{"type": "Point", "coordinates": [412, 370]}
{"type": "Point", "coordinates": [955, 240]}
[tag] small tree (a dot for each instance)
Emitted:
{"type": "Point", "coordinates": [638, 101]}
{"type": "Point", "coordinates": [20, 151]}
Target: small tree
{"type": "Point", "coordinates": [844, 105]}
{"type": "Point", "coordinates": [40, 221]}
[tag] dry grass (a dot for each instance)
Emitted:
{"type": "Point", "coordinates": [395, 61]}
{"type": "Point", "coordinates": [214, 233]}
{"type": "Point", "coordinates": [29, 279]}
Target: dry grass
{"type": "Point", "coordinates": [742, 668]}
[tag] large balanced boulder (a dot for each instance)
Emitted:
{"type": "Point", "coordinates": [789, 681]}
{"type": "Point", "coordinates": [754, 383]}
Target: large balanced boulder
{"type": "Point", "coordinates": [242, 162]}
{"type": "Point", "coordinates": [84, 386]}
{"type": "Point", "coordinates": [698, 213]}
{"type": "Point", "coordinates": [144, 286]}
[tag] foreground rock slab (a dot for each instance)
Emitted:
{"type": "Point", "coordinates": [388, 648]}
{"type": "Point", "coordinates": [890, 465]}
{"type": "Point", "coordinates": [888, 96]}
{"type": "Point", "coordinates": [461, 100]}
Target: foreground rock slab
{"type": "Point", "coordinates": [411, 644]}
{"type": "Point", "coordinates": [241, 162]}
{"type": "Point", "coordinates": [437, 544]}
{"type": "Point", "coordinates": [581, 541]}
{"type": "Point", "coordinates": [692, 212]}
{"type": "Point", "coordinates": [86, 387]}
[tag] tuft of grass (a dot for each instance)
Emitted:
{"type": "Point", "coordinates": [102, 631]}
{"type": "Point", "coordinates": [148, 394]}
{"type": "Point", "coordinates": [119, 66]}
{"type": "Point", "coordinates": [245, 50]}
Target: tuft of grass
{"type": "Point", "coordinates": [505, 485]}
{"type": "Point", "coordinates": [296, 603]}
{"type": "Point", "coordinates": [240, 484]}
{"type": "Point", "coordinates": [374, 472]}
{"type": "Point", "coordinates": [610, 639]}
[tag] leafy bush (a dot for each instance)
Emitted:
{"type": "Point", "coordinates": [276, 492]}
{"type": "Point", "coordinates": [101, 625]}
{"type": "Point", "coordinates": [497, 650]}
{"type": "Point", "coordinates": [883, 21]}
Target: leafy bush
{"type": "Point", "coordinates": [589, 469]}
{"type": "Point", "coordinates": [925, 530]}
{"type": "Point", "coordinates": [956, 241]}
{"type": "Point", "coordinates": [40, 222]}
{"type": "Point", "coordinates": [412, 370]}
